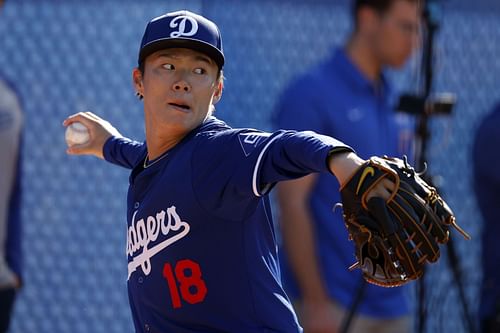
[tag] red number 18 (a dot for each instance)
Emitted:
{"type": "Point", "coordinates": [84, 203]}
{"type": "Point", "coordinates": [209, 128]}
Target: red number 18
{"type": "Point", "coordinates": [187, 282]}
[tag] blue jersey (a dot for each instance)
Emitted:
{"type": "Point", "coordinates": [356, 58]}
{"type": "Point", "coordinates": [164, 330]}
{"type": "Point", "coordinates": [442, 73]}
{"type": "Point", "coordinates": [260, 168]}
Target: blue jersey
{"type": "Point", "coordinates": [201, 247]}
{"type": "Point", "coordinates": [334, 98]}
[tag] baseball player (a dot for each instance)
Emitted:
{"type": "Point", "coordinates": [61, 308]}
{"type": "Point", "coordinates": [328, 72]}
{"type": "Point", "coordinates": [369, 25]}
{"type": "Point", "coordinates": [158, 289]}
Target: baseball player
{"type": "Point", "coordinates": [201, 247]}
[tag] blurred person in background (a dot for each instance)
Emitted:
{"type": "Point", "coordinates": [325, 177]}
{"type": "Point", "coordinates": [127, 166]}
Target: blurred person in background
{"type": "Point", "coordinates": [487, 188]}
{"type": "Point", "coordinates": [346, 96]}
{"type": "Point", "coordinates": [11, 120]}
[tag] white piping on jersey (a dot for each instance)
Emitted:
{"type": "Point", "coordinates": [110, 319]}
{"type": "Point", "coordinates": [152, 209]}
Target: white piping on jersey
{"type": "Point", "coordinates": [256, 168]}
{"type": "Point", "coordinates": [140, 234]}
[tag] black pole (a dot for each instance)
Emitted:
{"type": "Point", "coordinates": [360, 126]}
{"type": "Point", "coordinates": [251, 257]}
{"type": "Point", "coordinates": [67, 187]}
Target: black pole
{"type": "Point", "coordinates": [457, 274]}
{"type": "Point", "coordinates": [422, 136]}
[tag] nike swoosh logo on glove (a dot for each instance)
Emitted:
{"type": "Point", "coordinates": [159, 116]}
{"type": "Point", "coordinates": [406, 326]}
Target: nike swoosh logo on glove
{"type": "Point", "coordinates": [366, 172]}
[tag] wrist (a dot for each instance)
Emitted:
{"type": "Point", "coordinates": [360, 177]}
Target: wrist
{"type": "Point", "coordinates": [343, 165]}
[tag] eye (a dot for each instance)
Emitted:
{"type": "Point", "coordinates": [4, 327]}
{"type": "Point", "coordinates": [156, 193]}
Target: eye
{"type": "Point", "coordinates": [199, 71]}
{"type": "Point", "coordinates": [170, 67]}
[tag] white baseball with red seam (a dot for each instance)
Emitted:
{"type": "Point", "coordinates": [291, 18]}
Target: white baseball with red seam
{"type": "Point", "coordinates": [76, 134]}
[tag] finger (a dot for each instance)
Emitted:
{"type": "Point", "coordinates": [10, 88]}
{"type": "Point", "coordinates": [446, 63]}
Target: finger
{"type": "Point", "coordinates": [383, 188]}
{"type": "Point", "coordinates": [380, 191]}
{"type": "Point", "coordinates": [388, 184]}
{"type": "Point", "coordinates": [82, 117]}
{"type": "Point", "coordinates": [80, 149]}
{"type": "Point", "coordinates": [77, 117]}
{"type": "Point", "coordinates": [86, 120]}
{"type": "Point", "coordinates": [93, 116]}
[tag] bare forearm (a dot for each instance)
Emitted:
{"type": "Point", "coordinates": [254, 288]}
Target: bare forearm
{"type": "Point", "coordinates": [298, 236]}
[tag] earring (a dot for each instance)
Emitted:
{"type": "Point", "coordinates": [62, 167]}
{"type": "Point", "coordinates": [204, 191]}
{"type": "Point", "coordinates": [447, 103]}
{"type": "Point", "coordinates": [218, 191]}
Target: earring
{"type": "Point", "coordinates": [139, 95]}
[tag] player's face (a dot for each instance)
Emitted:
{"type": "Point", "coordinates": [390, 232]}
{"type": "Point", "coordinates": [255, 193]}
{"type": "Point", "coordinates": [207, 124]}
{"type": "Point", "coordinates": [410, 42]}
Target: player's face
{"type": "Point", "coordinates": [397, 33]}
{"type": "Point", "coordinates": [179, 86]}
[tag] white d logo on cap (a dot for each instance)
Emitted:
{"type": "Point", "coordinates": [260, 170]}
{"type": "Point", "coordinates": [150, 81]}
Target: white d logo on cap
{"type": "Point", "coordinates": [182, 26]}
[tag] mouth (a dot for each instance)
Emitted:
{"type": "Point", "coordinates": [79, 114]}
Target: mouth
{"type": "Point", "coordinates": [181, 106]}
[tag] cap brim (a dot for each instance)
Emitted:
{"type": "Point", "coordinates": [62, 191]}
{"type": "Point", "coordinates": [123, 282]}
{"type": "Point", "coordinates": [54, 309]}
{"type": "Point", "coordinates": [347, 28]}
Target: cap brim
{"type": "Point", "coordinates": [186, 43]}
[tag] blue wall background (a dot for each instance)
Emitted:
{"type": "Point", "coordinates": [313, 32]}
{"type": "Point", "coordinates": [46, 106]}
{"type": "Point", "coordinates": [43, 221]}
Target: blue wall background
{"type": "Point", "coordinates": [71, 56]}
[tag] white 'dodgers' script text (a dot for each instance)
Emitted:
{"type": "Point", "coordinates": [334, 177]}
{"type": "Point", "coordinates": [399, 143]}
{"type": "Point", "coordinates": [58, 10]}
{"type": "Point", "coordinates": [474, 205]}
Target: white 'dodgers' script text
{"type": "Point", "coordinates": [145, 231]}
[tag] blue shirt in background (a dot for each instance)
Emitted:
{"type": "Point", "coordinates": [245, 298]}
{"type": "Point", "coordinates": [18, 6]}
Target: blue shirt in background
{"type": "Point", "coordinates": [335, 99]}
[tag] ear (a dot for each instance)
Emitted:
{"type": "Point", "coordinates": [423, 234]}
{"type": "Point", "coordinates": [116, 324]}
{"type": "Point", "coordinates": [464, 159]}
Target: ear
{"type": "Point", "coordinates": [218, 92]}
{"type": "Point", "coordinates": [137, 80]}
{"type": "Point", "coordinates": [368, 19]}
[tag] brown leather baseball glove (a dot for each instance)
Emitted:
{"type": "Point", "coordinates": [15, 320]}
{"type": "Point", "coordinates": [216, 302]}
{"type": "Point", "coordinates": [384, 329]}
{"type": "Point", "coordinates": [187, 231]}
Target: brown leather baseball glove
{"type": "Point", "coordinates": [394, 238]}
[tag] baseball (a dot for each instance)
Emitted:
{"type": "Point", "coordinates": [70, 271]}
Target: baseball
{"type": "Point", "coordinates": [77, 134]}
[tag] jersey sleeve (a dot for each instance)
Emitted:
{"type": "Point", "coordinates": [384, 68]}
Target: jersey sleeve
{"type": "Point", "coordinates": [291, 155]}
{"type": "Point", "coordinates": [123, 151]}
{"type": "Point", "coordinates": [239, 166]}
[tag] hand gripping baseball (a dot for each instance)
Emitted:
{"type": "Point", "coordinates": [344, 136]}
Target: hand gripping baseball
{"type": "Point", "coordinates": [99, 130]}
{"type": "Point", "coordinates": [396, 237]}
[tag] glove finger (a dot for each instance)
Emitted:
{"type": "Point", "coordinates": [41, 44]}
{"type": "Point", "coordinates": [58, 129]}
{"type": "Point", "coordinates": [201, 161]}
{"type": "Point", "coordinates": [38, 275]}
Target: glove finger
{"type": "Point", "coordinates": [413, 183]}
{"type": "Point", "coordinates": [437, 205]}
{"type": "Point", "coordinates": [410, 262]}
{"type": "Point", "coordinates": [403, 258]}
{"type": "Point", "coordinates": [433, 222]}
{"type": "Point", "coordinates": [418, 239]}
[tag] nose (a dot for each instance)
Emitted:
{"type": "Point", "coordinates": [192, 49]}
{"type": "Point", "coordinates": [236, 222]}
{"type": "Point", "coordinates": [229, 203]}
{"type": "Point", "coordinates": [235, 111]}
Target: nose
{"type": "Point", "coordinates": [182, 86]}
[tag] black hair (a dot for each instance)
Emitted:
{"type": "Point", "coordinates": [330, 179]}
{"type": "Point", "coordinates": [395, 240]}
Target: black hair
{"type": "Point", "coordinates": [141, 67]}
{"type": "Point", "coordinates": [380, 6]}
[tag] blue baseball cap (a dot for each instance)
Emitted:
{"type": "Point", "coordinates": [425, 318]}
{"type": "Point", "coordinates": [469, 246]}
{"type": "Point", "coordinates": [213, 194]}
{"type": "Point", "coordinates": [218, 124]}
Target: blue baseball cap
{"type": "Point", "coordinates": [182, 29]}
